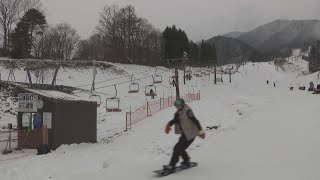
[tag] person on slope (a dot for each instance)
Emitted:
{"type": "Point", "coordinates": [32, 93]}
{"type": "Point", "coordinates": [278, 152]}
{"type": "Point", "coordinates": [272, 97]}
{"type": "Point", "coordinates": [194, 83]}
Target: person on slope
{"type": "Point", "coordinates": [151, 93]}
{"type": "Point", "coordinates": [189, 127]}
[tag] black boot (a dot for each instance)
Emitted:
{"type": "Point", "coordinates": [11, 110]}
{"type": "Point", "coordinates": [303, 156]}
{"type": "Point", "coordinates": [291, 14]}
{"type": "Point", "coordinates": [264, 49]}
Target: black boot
{"type": "Point", "coordinates": [185, 163]}
{"type": "Point", "coordinates": [169, 168]}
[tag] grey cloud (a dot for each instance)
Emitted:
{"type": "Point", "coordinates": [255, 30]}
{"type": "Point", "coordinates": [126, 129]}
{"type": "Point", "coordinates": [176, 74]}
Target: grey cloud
{"type": "Point", "coordinates": [201, 19]}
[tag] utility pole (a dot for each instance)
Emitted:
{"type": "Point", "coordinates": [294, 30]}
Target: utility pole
{"type": "Point", "coordinates": [94, 76]}
{"type": "Point", "coordinates": [177, 83]}
{"type": "Point", "coordinates": [184, 74]}
{"type": "Point", "coordinates": [230, 74]}
{"type": "Point", "coordinates": [215, 72]}
{"type": "Point", "coordinates": [175, 63]}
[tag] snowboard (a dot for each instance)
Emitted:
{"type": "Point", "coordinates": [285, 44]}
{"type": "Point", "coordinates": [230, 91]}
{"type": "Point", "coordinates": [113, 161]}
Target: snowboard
{"type": "Point", "coordinates": [162, 172]}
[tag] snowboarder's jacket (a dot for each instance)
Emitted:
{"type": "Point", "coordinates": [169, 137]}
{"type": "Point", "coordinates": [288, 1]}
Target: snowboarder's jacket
{"type": "Point", "coordinates": [186, 123]}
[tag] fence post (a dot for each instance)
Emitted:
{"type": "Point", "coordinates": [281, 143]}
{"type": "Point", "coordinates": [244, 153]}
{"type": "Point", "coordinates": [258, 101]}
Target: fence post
{"type": "Point", "coordinates": [127, 121]}
{"type": "Point", "coordinates": [9, 138]}
{"type": "Point", "coordinates": [130, 118]}
{"type": "Point", "coordinates": [148, 109]}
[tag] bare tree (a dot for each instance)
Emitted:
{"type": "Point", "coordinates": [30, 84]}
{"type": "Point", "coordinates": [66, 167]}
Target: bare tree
{"type": "Point", "coordinates": [59, 42]}
{"type": "Point", "coordinates": [92, 48]}
{"type": "Point", "coordinates": [10, 12]}
{"type": "Point", "coordinates": [126, 36]}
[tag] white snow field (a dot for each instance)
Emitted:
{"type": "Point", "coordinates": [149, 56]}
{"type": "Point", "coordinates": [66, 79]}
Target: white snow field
{"type": "Point", "coordinates": [266, 133]}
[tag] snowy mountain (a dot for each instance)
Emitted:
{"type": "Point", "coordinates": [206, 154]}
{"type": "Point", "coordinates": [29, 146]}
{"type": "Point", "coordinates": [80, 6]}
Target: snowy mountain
{"type": "Point", "coordinates": [231, 50]}
{"type": "Point", "coordinates": [280, 36]}
{"type": "Point", "coordinates": [234, 34]}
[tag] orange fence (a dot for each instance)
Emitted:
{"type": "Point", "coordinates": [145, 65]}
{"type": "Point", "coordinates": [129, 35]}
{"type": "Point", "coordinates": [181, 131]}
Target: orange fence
{"type": "Point", "coordinates": [153, 107]}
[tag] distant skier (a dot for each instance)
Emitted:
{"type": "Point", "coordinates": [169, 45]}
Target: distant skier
{"type": "Point", "coordinates": [151, 93]}
{"type": "Point", "coordinates": [189, 127]}
{"type": "Point", "coordinates": [267, 81]}
{"type": "Point", "coordinates": [173, 83]}
{"type": "Point", "coordinates": [274, 84]}
{"type": "Point", "coordinates": [311, 88]}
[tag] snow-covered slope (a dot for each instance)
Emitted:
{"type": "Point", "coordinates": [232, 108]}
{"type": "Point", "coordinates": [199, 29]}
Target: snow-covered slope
{"type": "Point", "coordinates": [266, 133]}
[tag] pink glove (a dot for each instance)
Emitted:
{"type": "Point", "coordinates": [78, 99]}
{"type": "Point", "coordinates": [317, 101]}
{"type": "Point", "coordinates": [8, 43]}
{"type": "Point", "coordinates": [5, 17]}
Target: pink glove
{"type": "Point", "coordinates": [168, 128]}
{"type": "Point", "coordinates": [202, 134]}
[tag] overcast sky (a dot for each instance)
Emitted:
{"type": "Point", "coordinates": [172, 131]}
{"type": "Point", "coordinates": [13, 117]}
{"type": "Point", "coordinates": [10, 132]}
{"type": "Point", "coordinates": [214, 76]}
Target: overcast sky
{"type": "Point", "coordinates": [201, 19]}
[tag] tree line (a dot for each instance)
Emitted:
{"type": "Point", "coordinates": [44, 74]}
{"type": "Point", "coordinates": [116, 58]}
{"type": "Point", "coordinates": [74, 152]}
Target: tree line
{"type": "Point", "coordinates": [120, 36]}
{"type": "Point", "coordinates": [26, 34]}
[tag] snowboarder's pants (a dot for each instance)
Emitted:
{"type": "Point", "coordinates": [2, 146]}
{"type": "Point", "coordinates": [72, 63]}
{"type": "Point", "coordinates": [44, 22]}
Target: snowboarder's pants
{"type": "Point", "coordinates": [180, 150]}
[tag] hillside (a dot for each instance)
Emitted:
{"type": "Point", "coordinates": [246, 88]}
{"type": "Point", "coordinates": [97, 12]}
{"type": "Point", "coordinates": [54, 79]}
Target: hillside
{"type": "Point", "coordinates": [280, 36]}
{"type": "Point", "coordinates": [234, 34]}
{"type": "Point", "coordinates": [266, 132]}
{"type": "Point", "coordinates": [230, 50]}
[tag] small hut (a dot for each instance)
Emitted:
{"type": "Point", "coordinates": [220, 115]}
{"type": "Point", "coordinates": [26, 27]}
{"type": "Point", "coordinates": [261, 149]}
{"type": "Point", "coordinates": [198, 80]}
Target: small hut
{"type": "Point", "coordinates": [55, 118]}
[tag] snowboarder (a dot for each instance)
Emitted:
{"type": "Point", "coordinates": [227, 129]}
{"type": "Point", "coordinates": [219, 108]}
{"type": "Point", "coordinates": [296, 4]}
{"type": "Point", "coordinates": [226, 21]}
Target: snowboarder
{"type": "Point", "coordinates": [189, 127]}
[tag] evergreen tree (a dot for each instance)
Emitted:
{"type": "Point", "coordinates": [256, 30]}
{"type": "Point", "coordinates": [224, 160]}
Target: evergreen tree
{"type": "Point", "coordinates": [314, 57]}
{"type": "Point", "coordinates": [32, 24]}
{"type": "Point", "coordinates": [175, 42]}
{"type": "Point", "coordinates": [193, 52]}
{"type": "Point", "coordinates": [207, 53]}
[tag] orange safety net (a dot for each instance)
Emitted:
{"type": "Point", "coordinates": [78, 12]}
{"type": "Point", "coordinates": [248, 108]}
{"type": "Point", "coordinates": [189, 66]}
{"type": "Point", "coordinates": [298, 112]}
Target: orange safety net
{"type": "Point", "coordinates": [153, 107]}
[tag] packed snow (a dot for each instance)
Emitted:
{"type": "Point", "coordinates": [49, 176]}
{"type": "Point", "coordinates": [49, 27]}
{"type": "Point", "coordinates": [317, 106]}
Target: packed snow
{"type": "Point", "coordinates": [265, 132]}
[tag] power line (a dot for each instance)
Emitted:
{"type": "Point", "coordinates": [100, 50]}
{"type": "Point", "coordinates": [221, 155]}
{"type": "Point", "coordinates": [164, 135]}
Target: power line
{"type": "Point", "coordinates": [102, 87]}
{"type": "Point", "coordinates": [130, 80]}
{"type": "Point", "coordinates": [113, 79]}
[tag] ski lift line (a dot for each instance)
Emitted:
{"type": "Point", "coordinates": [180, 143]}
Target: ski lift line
{"type": "Point", "coordinates": [126, 81]}
{"type": "Point", "coordinates": [112, 79]}
{"type": "Point", "coordinates": [142, 72]}
{"type": "Point", "coordinates": [121, 83]}
{"type": "Point", "coordinates": [108, 80]}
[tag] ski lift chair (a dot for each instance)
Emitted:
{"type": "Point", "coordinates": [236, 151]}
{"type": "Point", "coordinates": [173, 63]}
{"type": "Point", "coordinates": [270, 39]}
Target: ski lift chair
{"type": "Point", "coordinates": [198, 74]}
{"type": "Point", "coordinates": [134, 88]}
{"type": "Point", "coordinates": [113, 103]}
{"type": "Point", "coordinates": [157, 79]}
{"type": "Point", "coordinates": [171, 79]}
{"type": "Point", "coordinates": [317, 90]}
{"type": "Point", "coordinates": [189, 72]}
{"type": "Point", "coordinates": [96, 98]}
{"type": "Point", "coordinates": [148, 88]}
